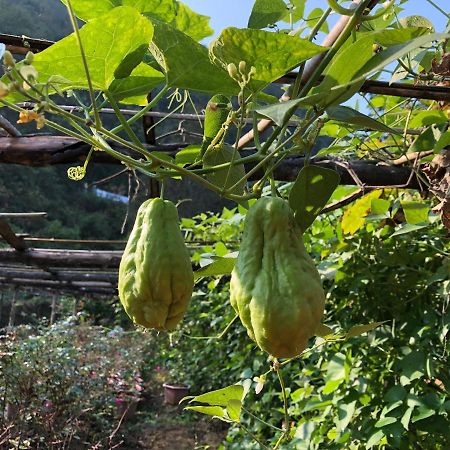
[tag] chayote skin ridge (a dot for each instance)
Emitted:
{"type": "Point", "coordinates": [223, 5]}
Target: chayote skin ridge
{"type": "Point", "coordinates": [155, 272]}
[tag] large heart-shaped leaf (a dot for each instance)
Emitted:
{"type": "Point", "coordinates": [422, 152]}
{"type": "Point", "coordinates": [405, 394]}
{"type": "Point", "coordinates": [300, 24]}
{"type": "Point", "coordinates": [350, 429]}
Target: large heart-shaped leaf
{"type": "Point", "coordinates": [106, 41]}
{"type": "Point", "coordinates": [186, 63]}
{"type": "Point", "coordinates": [272, 54]}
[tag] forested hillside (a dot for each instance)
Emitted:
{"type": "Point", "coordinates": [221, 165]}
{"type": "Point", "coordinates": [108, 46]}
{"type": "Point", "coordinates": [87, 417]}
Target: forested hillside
{"type": "Point", "coordinates": [34, 18]}
{"type": "Point", "coordinates": [73, 211]}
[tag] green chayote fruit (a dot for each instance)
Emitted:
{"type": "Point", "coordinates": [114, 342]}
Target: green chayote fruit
{"type": "Point", "coordinates": [155, 273]}
{"type": "Point", "coordinates": [216, 114]}
{"type": "Point", "coordinates": [275, 287]}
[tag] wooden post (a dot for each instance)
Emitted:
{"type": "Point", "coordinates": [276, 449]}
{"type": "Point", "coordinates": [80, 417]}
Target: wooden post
{"type": "Point", "coordinates": [53, 312]}
{"type": "Point", "coordinates": [12, 311]}
{"type": "Point", "coordinates": [2, 294]}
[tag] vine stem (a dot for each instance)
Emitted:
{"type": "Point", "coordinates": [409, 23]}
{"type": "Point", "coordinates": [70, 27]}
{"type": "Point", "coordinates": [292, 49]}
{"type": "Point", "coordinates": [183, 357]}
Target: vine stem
{"type": "Point", "coordinates": [340, 41]}
{"type": "Point", "coordinates": [74, 23]}
{"type": "Point", "coordinates": [144, 110]}
{"type": "Point", "coordinates": [268, 156]}
{"type": "Point", "coordinates": [285, 406]}
{"type": "Point", "coordinates": [263, 446]}
{"type": "Point", "coordinates": [261, 420]}
{"type": "Point", "coordinates": [123, 121]}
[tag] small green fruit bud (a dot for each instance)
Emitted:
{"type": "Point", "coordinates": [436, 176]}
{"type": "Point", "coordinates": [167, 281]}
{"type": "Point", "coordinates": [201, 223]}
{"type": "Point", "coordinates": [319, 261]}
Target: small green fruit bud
{"type": "Point", "coordinates": [28, 72]}
{"type": "Point", "coordinates": [242, 67]}
{"type": "Point", "coordinates": [240, 98]}
{"type": "Point", "coordinates": [8, 59]}
{"type": "Point", "coordinates": [232, 71]}
{"type": "Point", "coordinates": [29, 58]}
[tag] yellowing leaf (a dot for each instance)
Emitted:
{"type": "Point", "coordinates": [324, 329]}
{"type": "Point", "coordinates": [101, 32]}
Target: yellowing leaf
{"type": "Point", "coordinates": [353, 218]}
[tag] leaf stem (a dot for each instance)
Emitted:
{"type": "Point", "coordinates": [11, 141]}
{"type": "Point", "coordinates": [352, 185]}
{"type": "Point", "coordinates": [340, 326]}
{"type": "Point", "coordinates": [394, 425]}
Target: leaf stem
{"type": "Point", "coordinates": [285, 406]}
{"type": "Point", "coordinates": [261, 420]}
{"type": "Point", "coordinates": [76, 30]}
{"type": "Point", "coordinates": [263, 446]}
{"type": "Point", "coordinates": [144, 110]}
{"type": "Point", "coordinates": [125, 125]}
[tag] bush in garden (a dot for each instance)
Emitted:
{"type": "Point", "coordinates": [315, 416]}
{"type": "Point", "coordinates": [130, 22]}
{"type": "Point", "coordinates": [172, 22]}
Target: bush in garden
{"type": "Point", "coordinates": [69, 382]}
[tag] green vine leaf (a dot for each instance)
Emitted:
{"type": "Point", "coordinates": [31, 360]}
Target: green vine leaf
{"type": "Point", "coordinates": [350, 116]}
{"type": "Point", "coordinates": [174, 12]}
{"type": "Point", "coordinates": [193, 24]}
{"type": "Point", "coordinates": [358, 330]}
{"type": "Point", "coordinates": [228, 176]}
{"type": "Point", "coordinates": [272, 54]}
{"type": "Point", "coordinates": [416, 213]}
{"type": "Point", "coordinates": [310, 193]}
{"type": "Point", "coordinates": [134, 89]}
{"type": "Point", "coordinates": [225, 403]}
{"type": "Point", "coordinates": [222, 266]}
{"type": "Point", "coordinates": [280, 111]}
{"type": "Point", "coordinates": [186, 62]}
{"type": "Point", "coordinates": [266, 12]}
{"type": "Point", "coordinates": [107, 42]}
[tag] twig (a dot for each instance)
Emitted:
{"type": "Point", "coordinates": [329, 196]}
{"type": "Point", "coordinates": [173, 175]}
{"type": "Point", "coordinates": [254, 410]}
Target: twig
{"type": "Point", "coordinates": [106, 179]}
{"type": "Point", "coordinates": [351, 171]}
{"type": "Point", "coordinates": [410, 157]}
{"type": "Point", "coordinates": [9, 127]}
{"type": "Point", "coordinates": [345, 201]}
{"type": "Point", "coordinates": [111, 436]}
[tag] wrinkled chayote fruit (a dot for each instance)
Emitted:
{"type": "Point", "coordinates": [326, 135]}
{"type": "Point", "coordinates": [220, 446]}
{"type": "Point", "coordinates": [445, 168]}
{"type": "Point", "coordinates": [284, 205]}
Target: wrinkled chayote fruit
{"type": "Point", "coordinates": [155, 273]}
{"type": "Point", "coordinates": [275, 287]}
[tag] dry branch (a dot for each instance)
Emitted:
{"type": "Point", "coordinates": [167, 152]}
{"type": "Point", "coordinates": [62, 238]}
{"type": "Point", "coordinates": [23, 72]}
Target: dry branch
{"type": "Point", "coordinates": [62, 258]}
{"type": "Point", "coordinates": [15, 274]}
{"type": "Point", "coordinates": [93, 288]}
{"type": "Point", "coordinates": [23, 44]}
{"type": "Point", "coordinates": [43, 150]}
{"type": "Point", "coordinates": [10, 237]}
{"type": "Point", "coordinates": [28, 216]}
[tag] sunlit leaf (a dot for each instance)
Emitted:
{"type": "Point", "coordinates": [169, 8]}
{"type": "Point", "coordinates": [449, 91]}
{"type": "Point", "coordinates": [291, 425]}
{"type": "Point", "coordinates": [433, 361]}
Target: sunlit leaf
{"type": "Point", "coordinates": [415, 212]}
{"type": "Point", "coordinates": [358, 330]}
{"type": "Point", "coordinates": [272, 54]}
{"type": "Point", "coordinates": [266, 12]}
{"type": "Point", "coordinates": [215, 411]}
{"type": "Point", "coordinates": [221, 397]}
{"type": "Point", "coordinates": [107, 43]}
{"type": "Point", "coordinates": [186, 62]}
{"type": "Point", "coordinates": [353, 218]}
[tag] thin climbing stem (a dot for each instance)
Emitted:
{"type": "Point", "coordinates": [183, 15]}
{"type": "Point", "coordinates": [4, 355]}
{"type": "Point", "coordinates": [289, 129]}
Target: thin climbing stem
{"type": "Point", "coordinates": [74, 23]}
{"type": "Point", "coordinates": [285, 406]}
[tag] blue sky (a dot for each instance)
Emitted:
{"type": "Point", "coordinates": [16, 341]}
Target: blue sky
{"type": "Point", "coordinates": [225, 13]}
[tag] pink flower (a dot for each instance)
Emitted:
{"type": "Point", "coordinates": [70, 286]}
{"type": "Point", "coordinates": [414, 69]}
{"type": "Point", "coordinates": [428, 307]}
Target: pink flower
{"type": "Point", "coordinates": [118, 401]}
{"type": "Point", "coordinates": [48, 404]}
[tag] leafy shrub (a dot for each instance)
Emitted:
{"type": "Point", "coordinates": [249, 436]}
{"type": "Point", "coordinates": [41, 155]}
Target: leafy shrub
{"type": "Point", "coordinates": [68, 383]}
